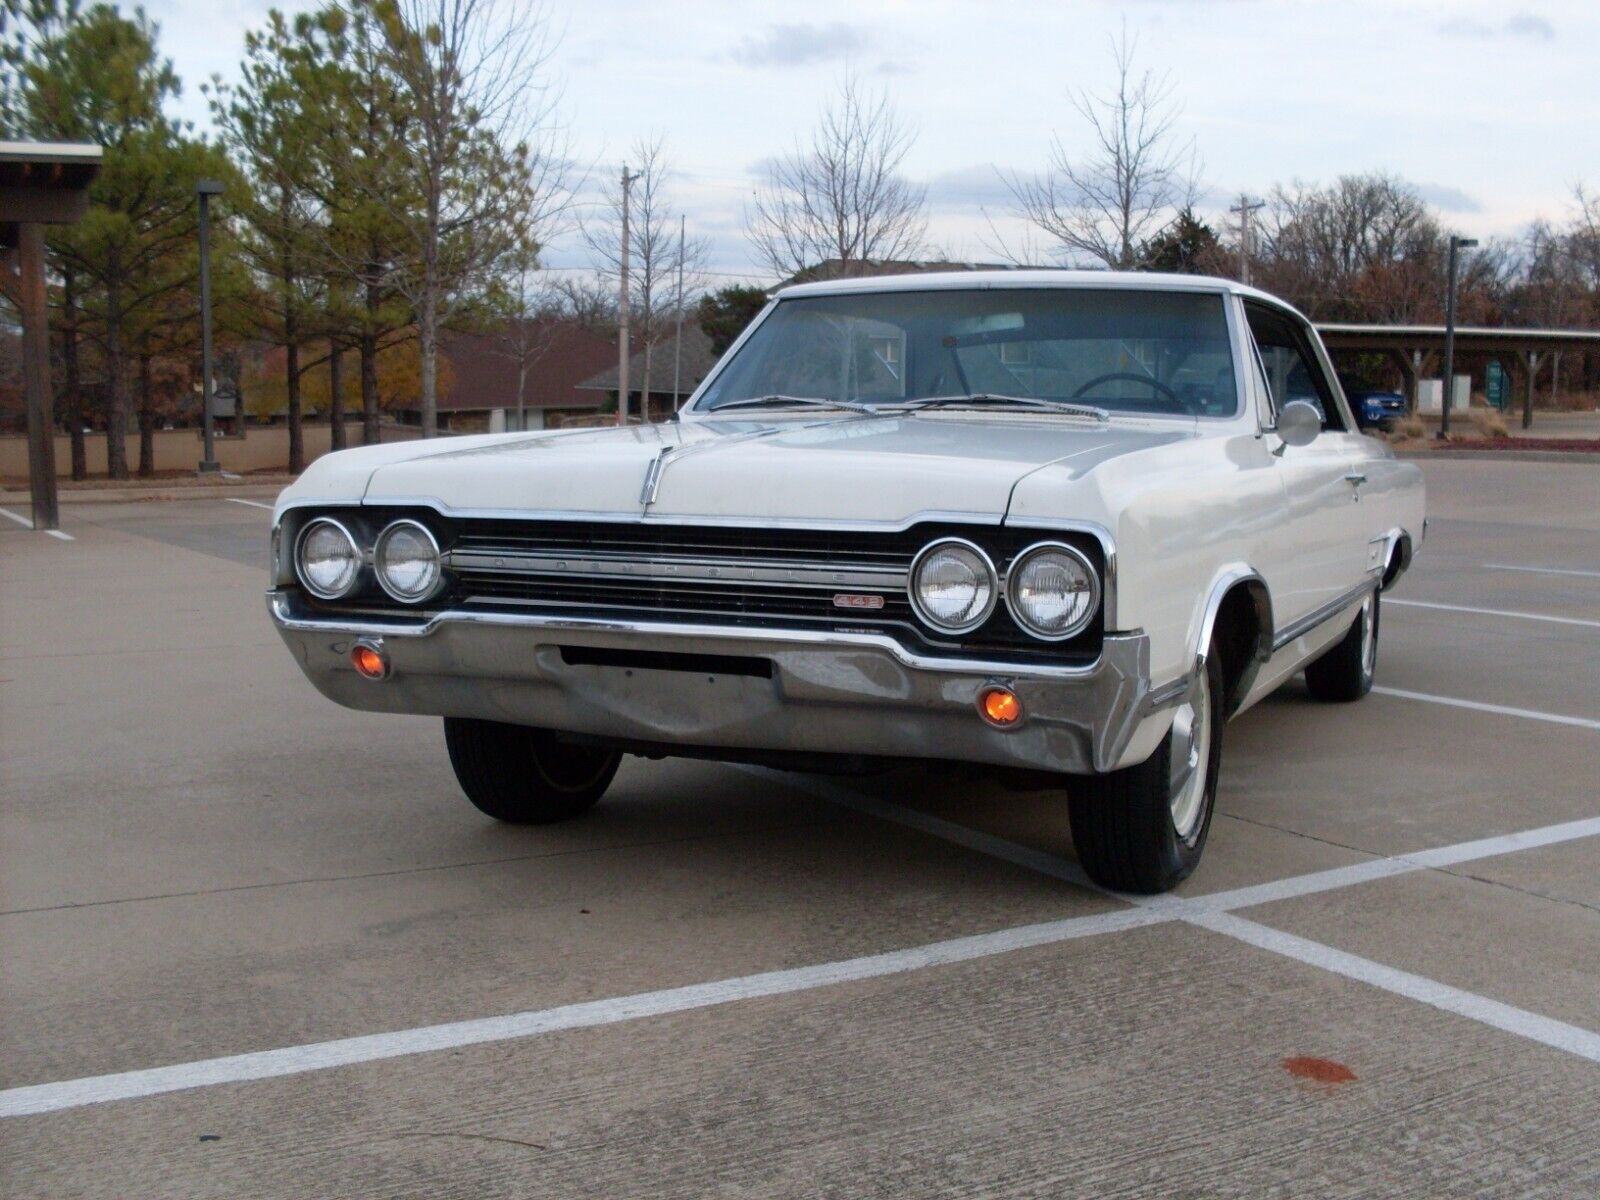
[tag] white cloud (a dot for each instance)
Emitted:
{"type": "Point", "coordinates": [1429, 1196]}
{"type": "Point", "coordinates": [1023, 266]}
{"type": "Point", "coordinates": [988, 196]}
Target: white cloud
{"type": "Point", "coordinates": [798, 45]}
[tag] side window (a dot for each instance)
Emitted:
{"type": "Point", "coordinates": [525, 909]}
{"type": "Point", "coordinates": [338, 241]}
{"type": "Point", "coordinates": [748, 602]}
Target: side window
{"type": "Point", "coordinates": [1292, 371]}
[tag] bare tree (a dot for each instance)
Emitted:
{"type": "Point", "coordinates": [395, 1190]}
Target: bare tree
{"type": "Point", "coordinates": [480, 155]}
{"type": "Point", "coordinates": [655, 256]}
{"type": "Point", "coordinates": [524, 299]}
{"type": "Point", "coordinates": [1110, 202]}
{"type": "Point", "coordinates": [840, 199]}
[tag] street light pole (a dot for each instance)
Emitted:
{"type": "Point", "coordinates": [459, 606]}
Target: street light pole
{"type": "Point", "coordinates": [622, 310]}
{"type": "Point", "coordinates": [1448, 388]}
{"type": "Point", "coordinates": [206, 188]}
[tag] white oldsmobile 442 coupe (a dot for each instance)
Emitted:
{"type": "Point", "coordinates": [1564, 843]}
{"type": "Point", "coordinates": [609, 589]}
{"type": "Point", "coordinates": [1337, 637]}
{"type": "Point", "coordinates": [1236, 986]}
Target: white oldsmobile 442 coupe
{"type": "Point", "coordinates": [1057, 526]}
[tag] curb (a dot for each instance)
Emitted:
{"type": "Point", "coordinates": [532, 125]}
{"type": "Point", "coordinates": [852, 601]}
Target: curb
{"type": "Point", "coordinates": [1531, 456]}
{"type": "Point", "coordinates": [249, 491]}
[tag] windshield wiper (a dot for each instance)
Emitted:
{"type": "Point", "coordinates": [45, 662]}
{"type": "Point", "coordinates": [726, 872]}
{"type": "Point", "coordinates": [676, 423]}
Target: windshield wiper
{"type": "Point", "coordinates": [1061, 406]}
{"type": "Point", "coordinates": [781, 401]}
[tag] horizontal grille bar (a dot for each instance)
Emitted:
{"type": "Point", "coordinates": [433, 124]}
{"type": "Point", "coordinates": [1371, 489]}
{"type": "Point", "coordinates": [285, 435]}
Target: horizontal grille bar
{"type": "Point", "coordinates": [672, 569]}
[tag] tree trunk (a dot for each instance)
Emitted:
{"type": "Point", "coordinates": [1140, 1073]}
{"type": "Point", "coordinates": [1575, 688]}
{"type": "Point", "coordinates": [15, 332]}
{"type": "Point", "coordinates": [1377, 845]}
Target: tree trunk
{"type": "Point", "coordinates": [297, 449]}
{"type": "Point", "coordinates": [147, 421]}
{"type": "Point", "coordinates": [428, 320]}
{"type": "Point", "coordinates": [369, 389]}
{"type": "Point", "coordinates": [72, 397]}
{"type": "Point", "coordinates": [116, 385]}
{"type": "Point", "coordinates": [336, 433]}
{"type": "Point", "coordinates": [644, 384]}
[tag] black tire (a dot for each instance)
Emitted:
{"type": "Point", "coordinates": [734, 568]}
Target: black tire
{"type": "Point", "coordinates": [1123, 823]}
{"type": "Point", "coordinates": [1344, 673]}
{"type": "Point", "coordinates": [526, 776]}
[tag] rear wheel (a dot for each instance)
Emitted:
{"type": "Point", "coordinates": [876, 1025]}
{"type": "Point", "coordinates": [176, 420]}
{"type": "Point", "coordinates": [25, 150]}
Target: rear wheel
{"type": "Point", "coordinates": [1345, 672]}
{"type": "Point", "coordinates": [1143, 828]}
{"type": "Point", "coordinates": [526, 776]}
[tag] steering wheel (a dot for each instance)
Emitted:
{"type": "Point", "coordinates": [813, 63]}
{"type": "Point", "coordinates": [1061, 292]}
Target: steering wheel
{"type": "Point", "coordinates": [1132, 378]}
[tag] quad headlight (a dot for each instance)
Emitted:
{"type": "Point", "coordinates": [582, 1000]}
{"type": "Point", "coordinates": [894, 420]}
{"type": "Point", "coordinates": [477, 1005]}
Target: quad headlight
{"type": "Point", "coordinates": [407, 561]}
{"type": "Point", "coordinates": [327, 559]}
{"type": "Point", "coordinates": [1053, 591]}
{"type": "Point", "coordinates": [953, 586]}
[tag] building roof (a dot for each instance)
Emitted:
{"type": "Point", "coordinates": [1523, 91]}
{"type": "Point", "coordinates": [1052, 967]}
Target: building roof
{"type": "Point", "coordinates": [561, 355]}
{"type": "Point", "coordinates": [698, 359]}
{"type": "Point", "coordinates": [835, 268]}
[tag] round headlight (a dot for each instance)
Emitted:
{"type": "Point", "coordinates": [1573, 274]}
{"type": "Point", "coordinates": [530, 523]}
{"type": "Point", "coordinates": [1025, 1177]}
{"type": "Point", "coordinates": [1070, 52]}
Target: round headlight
{"type": "Point", "coordinates": [1053, 591]}
{"type": "Point", "coordinates": [327, 560]}
{"type": "Point", "coordinates": [406, 560]}
{"type": "Point", "coordinates": [953, 586]}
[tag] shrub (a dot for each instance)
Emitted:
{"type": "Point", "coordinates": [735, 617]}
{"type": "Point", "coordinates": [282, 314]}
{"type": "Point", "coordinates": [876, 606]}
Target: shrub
{"type": "Point", "coordinates": [1488, 422]}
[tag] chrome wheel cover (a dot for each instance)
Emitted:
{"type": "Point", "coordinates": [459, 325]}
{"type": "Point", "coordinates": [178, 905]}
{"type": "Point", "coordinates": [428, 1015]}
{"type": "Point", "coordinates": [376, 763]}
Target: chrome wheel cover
{"type": "Point", "coordinates": [1190, 760]}
{"type": "Point", "coordinates": [1369, 636]}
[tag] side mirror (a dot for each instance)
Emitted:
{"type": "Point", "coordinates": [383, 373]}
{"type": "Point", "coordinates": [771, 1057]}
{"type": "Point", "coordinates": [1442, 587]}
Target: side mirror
{"type": "Point", "coordinates": [1299, 422]}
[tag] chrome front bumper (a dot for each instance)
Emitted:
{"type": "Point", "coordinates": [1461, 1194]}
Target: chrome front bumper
{"type": "Point", "coordinates": [828, 693]}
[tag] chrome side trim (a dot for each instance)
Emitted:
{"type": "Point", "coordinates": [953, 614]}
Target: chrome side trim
{"type": "Point", "coordinates": [1298, 629]}
{"type": "Point", "coordinates": [926, 516]}
{"type": "Point", "coordinates": [281, 606]}
{"type": "Point", "coordinates": [722, 572]}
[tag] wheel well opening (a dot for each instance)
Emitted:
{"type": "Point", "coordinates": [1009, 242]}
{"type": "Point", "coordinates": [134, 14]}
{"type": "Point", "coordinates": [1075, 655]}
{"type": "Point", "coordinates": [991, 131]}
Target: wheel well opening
{"type": "Point", "coordinates": [1242, 636]}
{"type": "Point", "coordinates": [1399, 560]}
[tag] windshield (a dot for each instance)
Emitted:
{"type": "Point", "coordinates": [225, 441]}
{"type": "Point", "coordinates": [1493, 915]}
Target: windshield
{"type": "Point", "coordinates": [1150, 352]}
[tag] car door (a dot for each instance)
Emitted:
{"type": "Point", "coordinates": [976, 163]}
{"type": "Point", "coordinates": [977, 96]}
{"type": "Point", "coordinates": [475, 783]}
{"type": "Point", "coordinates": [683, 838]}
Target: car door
{"type": "Point", "coordinates": [1321, 541]}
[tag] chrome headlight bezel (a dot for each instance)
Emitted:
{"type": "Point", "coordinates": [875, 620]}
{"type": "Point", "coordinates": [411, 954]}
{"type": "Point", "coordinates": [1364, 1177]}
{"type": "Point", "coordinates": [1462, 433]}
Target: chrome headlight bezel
{"type": "Point", "coordinates": [1019, 613]}
{"type": "Point", "coordinates": [914, 589]}
{"type": "Point", "coordinates": [304, 576]}
{"type": "Point", "coordinates": [435, 581]}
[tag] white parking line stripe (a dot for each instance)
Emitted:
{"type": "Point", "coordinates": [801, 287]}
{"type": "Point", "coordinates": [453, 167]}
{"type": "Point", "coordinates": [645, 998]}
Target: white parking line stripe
{"type": "Point", "coordinates": [27, 524]}
{"type": "Point", "coordinates": [1504, 710]}
{"type": "Point", "coordinates": [1542, 570]}
{"type": "Point", "coordinates": [1211, 912]}
{"type": "Point", "coordinates": [1493, 612]}
{"type": "Point", "coordinates": [1545, 1030]}
{"type": "Point", "coordinates": [251, 503]}
{"type": "Point", "coordinates": [294, 1060]}
{"type": "Point", "coordinates": [1202, 911]}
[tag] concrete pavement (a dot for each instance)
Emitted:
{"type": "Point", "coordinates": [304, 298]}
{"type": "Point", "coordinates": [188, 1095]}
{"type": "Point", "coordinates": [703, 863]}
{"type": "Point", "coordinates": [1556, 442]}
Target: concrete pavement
{"type": "Point", "coordinates": [201, 857]}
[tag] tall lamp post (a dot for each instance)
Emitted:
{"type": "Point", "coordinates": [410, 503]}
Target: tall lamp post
{"type": "Point", "coordinates": [205, 189]}
{"type": "Point", "coordinates": [1448, 391]}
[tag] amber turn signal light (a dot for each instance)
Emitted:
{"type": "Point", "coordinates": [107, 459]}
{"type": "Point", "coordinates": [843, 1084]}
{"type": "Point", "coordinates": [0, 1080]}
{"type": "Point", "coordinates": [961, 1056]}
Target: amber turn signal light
{"type": "Point", "coordinates": [1000, 706]}
{"type": "Point", "coordinates": [369, 661]}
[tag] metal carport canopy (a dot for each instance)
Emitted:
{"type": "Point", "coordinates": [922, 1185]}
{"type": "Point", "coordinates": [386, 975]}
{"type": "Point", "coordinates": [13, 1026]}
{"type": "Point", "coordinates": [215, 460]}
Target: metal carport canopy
{"type": "Point", "coordinates": [1470, 339]}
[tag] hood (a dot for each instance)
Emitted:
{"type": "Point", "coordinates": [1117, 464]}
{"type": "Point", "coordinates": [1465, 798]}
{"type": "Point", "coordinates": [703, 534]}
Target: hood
{"type": "Point", "coordinates": [877, 469]}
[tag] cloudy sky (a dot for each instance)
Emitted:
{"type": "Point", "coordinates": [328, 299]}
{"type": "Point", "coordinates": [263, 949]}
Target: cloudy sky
{"type": "Point", "coordinates": [1490, 108]}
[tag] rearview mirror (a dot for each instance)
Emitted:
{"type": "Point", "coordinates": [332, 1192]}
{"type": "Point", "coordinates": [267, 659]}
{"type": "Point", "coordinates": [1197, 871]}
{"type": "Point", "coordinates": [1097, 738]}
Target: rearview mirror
{"type": "Point", "coordinates": [1299, 423]}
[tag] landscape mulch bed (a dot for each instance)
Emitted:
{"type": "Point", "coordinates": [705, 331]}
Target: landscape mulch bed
{"type": "Point", "coordinates": [1571, 445]}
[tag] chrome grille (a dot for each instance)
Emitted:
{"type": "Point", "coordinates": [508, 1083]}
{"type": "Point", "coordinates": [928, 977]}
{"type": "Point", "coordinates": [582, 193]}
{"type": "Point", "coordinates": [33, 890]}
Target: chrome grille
{"type": "Point", "coordinates": [772, 576]}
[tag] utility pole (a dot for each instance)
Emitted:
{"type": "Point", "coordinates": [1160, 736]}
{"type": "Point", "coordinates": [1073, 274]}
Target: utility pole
{"type": "Point", "coordinates": [1244, 208]}
{"type": "Point", "coordinates": [677, 340]}
{"type": "Point", "coordinates": [1446, 396]}
{"type": "Point", "coordinates": [206, 188]}
{"type": "Point", "coordinates": [622, 306]}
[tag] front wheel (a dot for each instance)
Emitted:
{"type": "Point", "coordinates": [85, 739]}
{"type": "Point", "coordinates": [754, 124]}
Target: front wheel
{"type": "Point", "coordinates": [526, 776]}
{"type": "Point", "coordinates": [1142, 829]}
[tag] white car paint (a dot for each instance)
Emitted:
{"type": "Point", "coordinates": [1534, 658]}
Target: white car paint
{"type": "Point", "coordinates": [1189, 503]}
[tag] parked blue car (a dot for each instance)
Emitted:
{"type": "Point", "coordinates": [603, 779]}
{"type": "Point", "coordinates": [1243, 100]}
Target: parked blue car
{"type": "Point", "coordinates": [1376, 409]}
